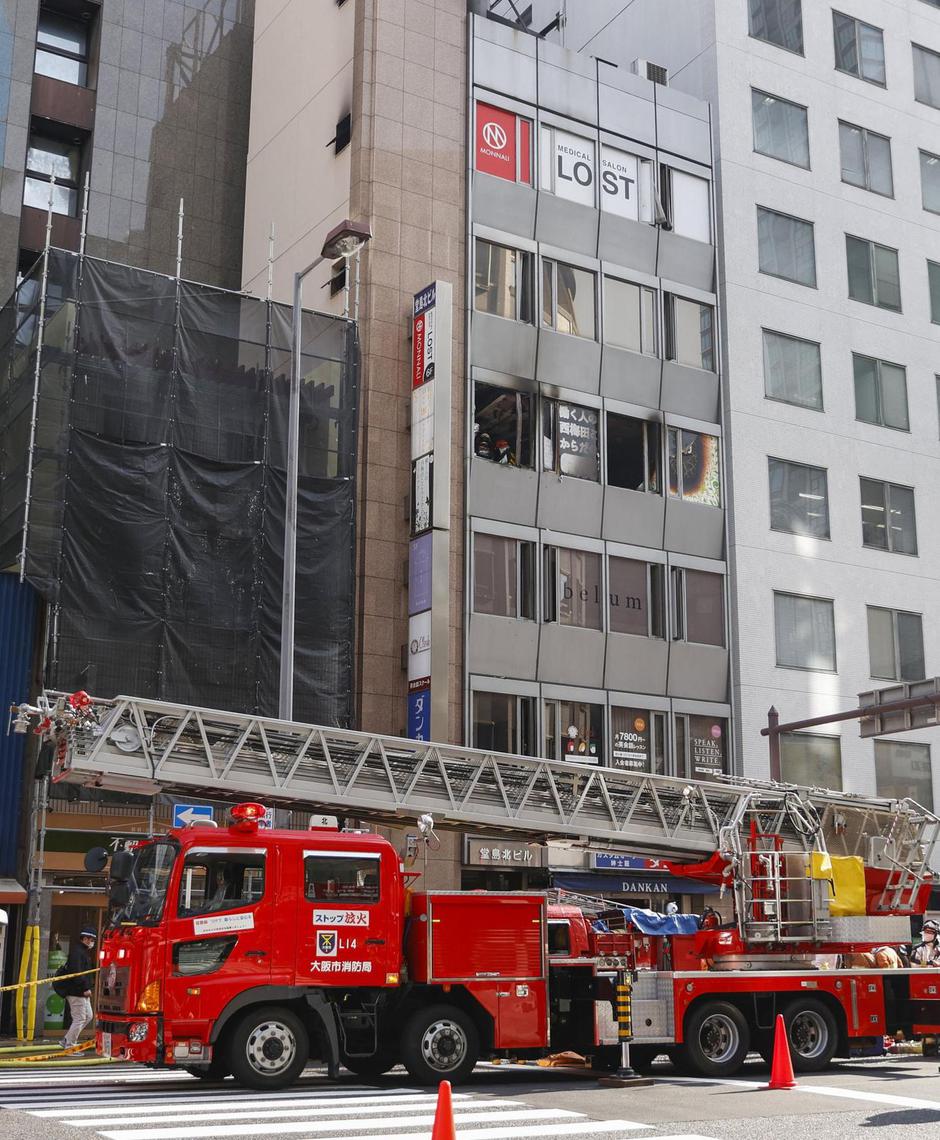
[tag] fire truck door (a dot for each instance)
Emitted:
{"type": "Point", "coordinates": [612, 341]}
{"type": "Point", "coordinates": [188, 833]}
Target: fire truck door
{"type": "Point", "coordinates": [220, 928]}
{"type": "Point", "coordinates": [345, 933]}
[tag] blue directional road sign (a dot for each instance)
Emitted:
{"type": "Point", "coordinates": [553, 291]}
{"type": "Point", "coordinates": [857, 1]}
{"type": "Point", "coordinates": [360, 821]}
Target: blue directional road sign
{"type": "Point", "coordinates": [185, 814]}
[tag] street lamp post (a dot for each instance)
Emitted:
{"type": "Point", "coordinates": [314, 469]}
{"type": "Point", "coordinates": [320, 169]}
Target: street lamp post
{"type": "Point", "coordinates": [345, 240]}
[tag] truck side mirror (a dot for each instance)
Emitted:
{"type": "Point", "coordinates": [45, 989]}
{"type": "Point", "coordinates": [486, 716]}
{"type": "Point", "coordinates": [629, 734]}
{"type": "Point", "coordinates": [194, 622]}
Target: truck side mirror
{"type": "Point", "coordinates": [122, 863]}
{"type": "Point", "coordinates": [96, 859]}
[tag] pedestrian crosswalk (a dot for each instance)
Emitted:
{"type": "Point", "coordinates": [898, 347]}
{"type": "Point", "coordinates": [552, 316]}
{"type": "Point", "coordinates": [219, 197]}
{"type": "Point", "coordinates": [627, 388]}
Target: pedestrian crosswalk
{"type": "Point", "coordinates": [170, 1106]}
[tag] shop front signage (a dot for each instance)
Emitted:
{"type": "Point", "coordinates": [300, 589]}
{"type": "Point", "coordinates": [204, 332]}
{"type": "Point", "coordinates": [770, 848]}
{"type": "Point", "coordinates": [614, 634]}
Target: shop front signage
{"type": "Point", "coordinates": [615, 861]}
{"type": "Point", "coordinates": [503, 144]}
{"type": "Point", "coordinates": [501, 852]}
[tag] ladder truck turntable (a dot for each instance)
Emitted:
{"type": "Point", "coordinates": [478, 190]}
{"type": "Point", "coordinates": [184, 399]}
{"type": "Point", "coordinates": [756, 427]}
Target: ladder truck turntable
{"type": "Point", "coordinates": [249, 951]}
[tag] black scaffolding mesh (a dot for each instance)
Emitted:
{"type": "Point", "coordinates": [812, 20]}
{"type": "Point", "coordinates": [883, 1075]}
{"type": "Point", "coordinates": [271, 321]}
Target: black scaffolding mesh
{"type": "Point", "coordinates": [153, 507]}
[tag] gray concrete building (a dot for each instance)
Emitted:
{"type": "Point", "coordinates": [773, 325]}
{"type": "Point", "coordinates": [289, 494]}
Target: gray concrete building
{"type": "Point", "coordinates": [825, 129]}
{"type": "Point", "coordinates": [575, 577]}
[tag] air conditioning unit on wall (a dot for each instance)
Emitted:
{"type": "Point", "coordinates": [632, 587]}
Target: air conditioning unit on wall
{"type": "Point", "coordinates": [654, 72]}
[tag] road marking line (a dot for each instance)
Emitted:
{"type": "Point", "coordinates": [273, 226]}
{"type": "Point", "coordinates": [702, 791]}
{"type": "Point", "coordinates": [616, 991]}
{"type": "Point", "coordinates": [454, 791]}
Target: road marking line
{"type": "Point", "coordinates": [822, 1090]}
{"type": "Point", "coordinates": [203, 1105]}
{"type": "Point", "coordinates": [297, 1126]}
{"type": "Point", "coordinates": [106, 1102]}
{"type": "Point", "coordinates": [362, 1107]}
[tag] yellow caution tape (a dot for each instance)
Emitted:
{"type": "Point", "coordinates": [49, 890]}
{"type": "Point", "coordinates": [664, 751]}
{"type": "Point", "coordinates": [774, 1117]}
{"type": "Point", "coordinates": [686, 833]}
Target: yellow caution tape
{"type": "Point", "coordinates": [43, 981]}
{"type": "Point", "coordinates": [57, 1055]}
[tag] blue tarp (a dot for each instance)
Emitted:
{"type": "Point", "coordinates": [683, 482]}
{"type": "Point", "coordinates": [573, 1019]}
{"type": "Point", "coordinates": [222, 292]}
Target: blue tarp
{"type": "Point", "coordinates": [651, 922]}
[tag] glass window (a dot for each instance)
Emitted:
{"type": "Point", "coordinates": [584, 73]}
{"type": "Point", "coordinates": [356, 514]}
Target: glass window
{"type": "Point", "coordinates": [799, 499]}
{"type": "Point", "coordinates": [572, 584]}
{"type": "Point", "coordinates": [503, 281]}
{"type": "Point", "coordinates": [866, 159]}
{"type": "Point", "coordinates": [47, 159]}
{"type": "Point", "coordinates": [874, 277]}
{"type": "Point", "coordinates": [217, 880]}
{"type": "Point", "coordinates": [780, 128]}
{"type": "Point", "coordinates": [638, 741]}
{"type": "Point", "coordinates": [701, 747]}
{"type": "Point", "coordinates": [626, 185]}
{"type": "Point", "coordinates": [933, 282]}
{"type": "Point", "coordinates": [690, 336]}
{"type": "Point", "coordinates": [574, 730]}
{"type": "Point", "coordinates": [503, 722]}
{"type": "Point", "coordinates": [880, 392]}
{"type": "Point", "coordinates": [902, 771]}
{"type": "Point", "coordinates": [888, 517]}
{"type": "Point", "coordinates": [926, 76]}
{"type": "Point", "coordinates": [811, 760]}
{"type": "Point", "coordinates": [786, 247]}
{"type": "Point", "coordinates": [570, 439]}
{"type": "Point", "coordinates": [930, 181]}
{"type": "Point", "coordinates": [342, 878]}
{"type": "Point", "coordinates": [686, 203]}
{"type": "Point", "coordinates": [634, 453]}
{"type": "Point", "coordinates": [860, 48]}
{"type": "Point", "coordinates": [895, 644]}
{"type": "Point", "coordinates": [503, 576]}
{"type": "Point", "coordinates": [204, 956]}
{"type": "Point", "coordinates": [629, 316]}
{"type": "Point", "coordinates": [502, 425]}
{"type": "Point", "coordinates": [805, 632]}
{"type": "Point", "coordinates": [792, 370]}
{"type": "Point", "coordinates": [150, 881]}
{"type": "Point", "coordinates": [568, 299]}
{"type": "Point", "coordinates": [636, 597]}
{"type": "Point", "coordinates": [568, 165]}
{"type": "Point", "coordinates": [62, 48]}
{"type": "Point", "coordinates": [694, 467]}
{"type": "Point", "coordinates": [778, 22]}
{"type": "Point", "coordinates": [698, 606]}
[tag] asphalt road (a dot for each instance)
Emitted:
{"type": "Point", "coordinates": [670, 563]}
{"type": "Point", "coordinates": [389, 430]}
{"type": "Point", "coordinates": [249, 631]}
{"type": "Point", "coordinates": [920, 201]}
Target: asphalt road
{"type": "Point", "coordinates": [898, 1097]}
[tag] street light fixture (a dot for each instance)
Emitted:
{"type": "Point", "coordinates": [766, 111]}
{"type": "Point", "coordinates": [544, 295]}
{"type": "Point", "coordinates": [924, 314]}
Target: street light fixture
{"type": "Point", "coordinates": [346, 241]}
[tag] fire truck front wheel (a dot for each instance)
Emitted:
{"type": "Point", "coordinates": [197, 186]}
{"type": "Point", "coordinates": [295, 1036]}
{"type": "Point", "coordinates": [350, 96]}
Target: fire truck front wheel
{"type": "Point", "coordinates": [269, 1048]}
{"type": "Point", "coordinates": [717, 1039]}
{"type": "Point", "coordinates": [440, 1043]}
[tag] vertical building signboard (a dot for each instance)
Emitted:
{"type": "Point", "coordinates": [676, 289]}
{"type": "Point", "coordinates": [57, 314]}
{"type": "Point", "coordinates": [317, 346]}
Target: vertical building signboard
{"type": "Point", "coordinates": [429, 552]}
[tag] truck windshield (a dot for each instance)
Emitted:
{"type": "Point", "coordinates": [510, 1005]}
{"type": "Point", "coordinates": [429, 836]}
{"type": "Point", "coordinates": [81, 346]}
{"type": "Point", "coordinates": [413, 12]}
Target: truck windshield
{"type": "Point", "coordinates": [148, 884]}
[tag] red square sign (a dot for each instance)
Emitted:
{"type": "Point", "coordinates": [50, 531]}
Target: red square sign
{"type": "Point", "coordinates": [503, 144]}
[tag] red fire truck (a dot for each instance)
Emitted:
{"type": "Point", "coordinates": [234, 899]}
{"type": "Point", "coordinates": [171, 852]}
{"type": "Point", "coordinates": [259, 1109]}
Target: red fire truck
{"type": "Point", "coordinates": [250, 951]}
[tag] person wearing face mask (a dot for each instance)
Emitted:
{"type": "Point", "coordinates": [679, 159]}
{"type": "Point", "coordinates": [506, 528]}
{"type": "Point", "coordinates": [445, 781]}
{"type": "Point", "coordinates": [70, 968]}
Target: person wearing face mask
{"type": "Point", "coordinates": [928, 952]}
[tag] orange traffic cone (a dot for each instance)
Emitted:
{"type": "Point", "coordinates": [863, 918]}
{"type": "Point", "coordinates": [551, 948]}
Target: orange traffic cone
{"type": "Point", "coordinates": [444, 1117]}
{"type": "Point", "coordinates": [781, 1071]}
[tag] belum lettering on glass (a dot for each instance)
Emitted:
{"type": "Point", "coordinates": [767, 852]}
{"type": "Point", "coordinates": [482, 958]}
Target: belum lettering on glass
{"type": "Point", "coordinates": [593, 594]}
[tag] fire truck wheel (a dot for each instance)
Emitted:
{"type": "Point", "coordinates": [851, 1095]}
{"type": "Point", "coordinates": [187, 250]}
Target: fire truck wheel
{"type": "Point", "coordinates": [440, 1043]}
{"type": "Point", "coordinates": [813, 1033]}
{"type": "Point", "coordinates": [716, 1039]}
{"type": "Point", "coordinates": [269, 1048]}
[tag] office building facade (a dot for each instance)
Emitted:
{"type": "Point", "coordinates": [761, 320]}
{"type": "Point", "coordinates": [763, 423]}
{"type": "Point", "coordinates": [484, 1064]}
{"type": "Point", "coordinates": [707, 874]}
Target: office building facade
{"type": "Point", "coordinates": [825, 156]}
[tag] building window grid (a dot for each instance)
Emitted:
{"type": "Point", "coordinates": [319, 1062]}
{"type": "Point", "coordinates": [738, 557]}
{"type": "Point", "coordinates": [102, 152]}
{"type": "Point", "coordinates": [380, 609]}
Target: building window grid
{"type": "Point", "coordinates": [654, 574]}
{"type": "Point", "coordinates": [697, 607]}
{"type": "Point", "coordinates": [62, 48]}
{"type": "Point", "coordinates": [933, 286]}
{"type": "Point", "coordinates": [690, 336]}
{"type": "Point", "coordinates": [48, 158]}
{"type": "Point", "coordinates": [808, 516]}
{"type": "Point", "coordinates": [903, 771]}
{"type": "Point", "coordinates": [693, 466]}
{"type": "Point", "coordinates": [786, 247]}
{"type": "Point", "coordinates": [622, 468]}
{"type": "Point", "coordinates": [804, 632]}
{"type": "Point", "coordinates": [859, 49]}
{"type": "Point", "coordinates": [777, 22]}
{"type": "Point", "coordinates": [780, 128]}
{"type": "Point", "coordinates": [872, 169]}
{"type": "Point", "coordinates": [561, 308]}
{"type": "Point", "coordinates": [792, 370]}
{"type": "Point", "coordinates": [503, 281]}
{"type": "Point", "coordinates": [509, 588]}
{"type": "Point", "coordinates": [630, 309]}
{"type": "Point", "coordinates": [926, 75]}
{"type": "Point", "coordinates": [930, 181]}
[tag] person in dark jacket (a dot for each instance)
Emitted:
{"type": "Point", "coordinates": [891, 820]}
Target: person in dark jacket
{"type": "Point", "coordinates": [78, 990]}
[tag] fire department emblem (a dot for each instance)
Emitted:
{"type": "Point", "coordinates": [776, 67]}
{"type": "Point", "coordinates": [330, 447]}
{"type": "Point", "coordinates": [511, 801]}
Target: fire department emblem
{"type": "Point", "coordinates": [326, 943]}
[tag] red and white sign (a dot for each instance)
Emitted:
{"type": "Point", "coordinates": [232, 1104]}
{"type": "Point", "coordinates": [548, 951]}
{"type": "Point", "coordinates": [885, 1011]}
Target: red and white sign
{"type": "Point", "coordinates": [503, 144]}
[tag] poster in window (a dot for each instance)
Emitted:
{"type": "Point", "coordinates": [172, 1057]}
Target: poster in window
{"type": "Point", "coordinates": [503, 144]}
{"type": "Point", "coordinates": [631, 739]}
{"type": "Point", "coordinates": [577, 440]}
{"type": "Point", "coordinates": [623, 184]}
{"type": "Point", "coordinates": [707, 751]}
{"type": "Point", "coordinates": [568, 166]}
{"type": "Point", "coordinates": [422, 482]}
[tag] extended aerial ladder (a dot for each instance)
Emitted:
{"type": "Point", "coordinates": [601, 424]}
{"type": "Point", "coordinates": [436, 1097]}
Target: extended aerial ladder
{"type": "Point", "coordinates": [765, 834]}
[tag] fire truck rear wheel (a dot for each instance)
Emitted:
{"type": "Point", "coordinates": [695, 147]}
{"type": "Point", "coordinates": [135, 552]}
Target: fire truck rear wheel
{"type": "Point", "coordinates": [813, 1033]}
{"type": "Point", "coordinates": [440, 1043]}
{"type": "Point", "coordinates": [269, 1048]}
{"type": "Point", "coordinates": [717, 1040]}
